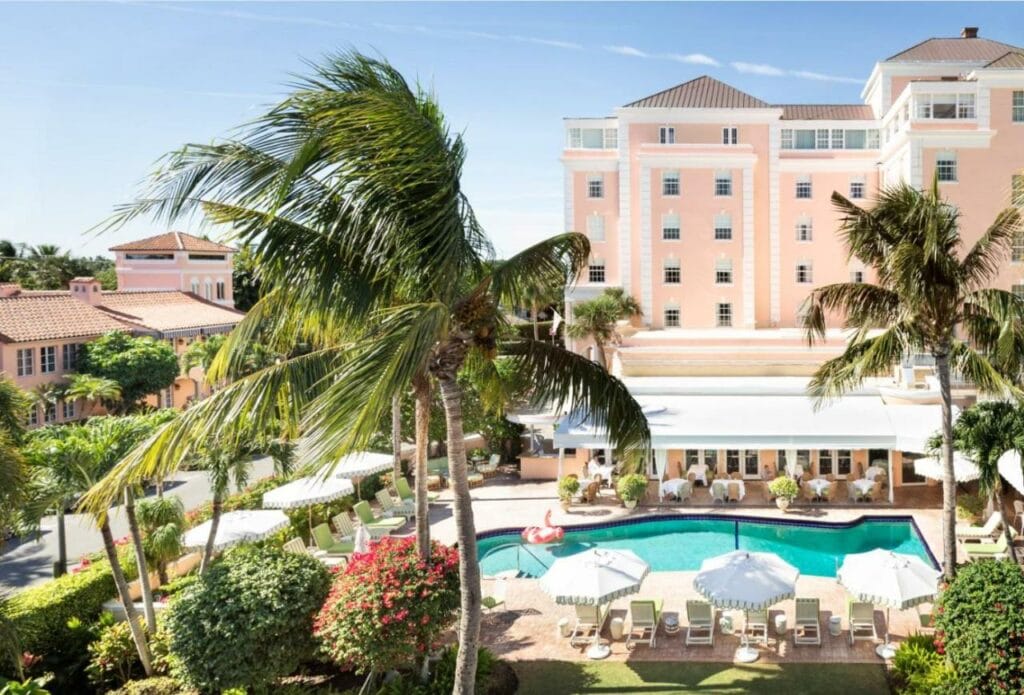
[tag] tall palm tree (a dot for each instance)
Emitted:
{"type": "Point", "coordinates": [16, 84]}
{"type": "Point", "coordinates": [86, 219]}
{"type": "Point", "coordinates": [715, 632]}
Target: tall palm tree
{"type": "Point", "coordinates": [92, 389]}
{"type": "Point", "coordinates": [350, 193]}
{"type": "Point", "coordinates": [596, 318]}
{"type": "Point", "coordinates": [983, 433]}
{"type": "Point", "coordinates": [928, 299]}
{"type": "Point", "coordinates": [224, 463]}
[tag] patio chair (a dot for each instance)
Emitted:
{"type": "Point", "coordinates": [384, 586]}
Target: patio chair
{"type": "Point", "coordinates": [691, 478]}
{"type": "Point", "coordinates": [831, 492]}
{"type": "Point", "coordinates": [684, 491]}
{"type": "Point", "coordinates": [475, 479]}
{"type": "Point", "coordinates": [406, 493]}
{"type": "Point", "coordinates": [980, 533]}
{"type": "Point", "coordinates": [1018, 512]}
{"type": "Point", "coordinates": [390, 508]}
{"type": "Point", "coordinates": [643, 616]}
{"type": "Point", "coordinates": [326, 544]}
{"type": "Point", "coordinates": [491, 467]}
{"type": "Point", "coordinates": [831, 477]}
{"type": "Point", "coordinates": [807, 493]}
{"type": "Point", "coordinates": [734, 492]}
{"type": "Point", "coordinates": [736, 475]}
{"type": "Point", "coordinates": [807, 628]}
{"type": "Point", "coordinates": [756, 623]}
{"type": "Point", "coordinates": [852, 494]}
{"type": "Point", "coordinates": [376, 527]}
{"type": "Point", "coordinates": [875, 494]}
{"type": "Point", "coordinates": [718, 493]}
{"type": "Point", "coordinates": [344, 526]}
{"type": "Point", "coordinates": [988, 551]}
{"type": "Point", "coordinates": [862, 621]}
{"type": "Point", "coordinates": [591, 492]}
{"type": "Point", "coordinates": [296, 546]}
{"type": "Point", "coordinates": [588, 619]}
{"type": "Point", "coordinates": [701, 618]}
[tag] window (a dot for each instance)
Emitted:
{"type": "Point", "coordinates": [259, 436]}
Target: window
{"type": "Point", "coordinates": [1017, 190]}
{"type": "Point", "coordinates": [195, 287]}
{"type": "Point", "coordinates": [595, 271]}
{"type": "Point", "coordinates": [723, 227]}
{"type": "Point", "coordinates": [1016, 249]}
{"type": "Point", "coordinates": [667, 135]}
{"type": "Point", "coordinates": [209, 289]}
{"type": "Point", "coordinates": [593, 138]}
{"type": "Point", "coordinates": [751, 469]}
{"type": "Point", "coordinates": [708, 457]}
{"type": "Point", "coordinates": [670, 227]}
{"type": "Point", "coordinates": [50, 413]}
{"type": "Point", "coordinates": [167, 398]}
{"type": "Point", "coordinates": [670, 183]}
{"type": "Point", "coordinates": [804, 139]}
{"type": "Point", "coordinates": [671, 317]}
{"type": "Point", "coordinates": [834, 462]}
{"type": "Point", "coordinates": [48, 359]}
{"type": "Point", "coordinates": [787, 139]}
{"type": "Point", "coordinates": [207, 257]}
{"type": "Point", "coordinates": [1018, 107]}
{"type": "Point", "coordinates": [611, 138]}
{"type": "Point", "coordinates": [26, 361]}
{"type": "Point", "coordinates": [856, 190]}
{"type": "Point", "coordinates": [803, 187]}
{"type": "Point", "coordinates": [945, 166]}
{"type": "Point", "coordinates": [1018, 290]}
{"type": "Point", "coordinates": [33, 416]}
{"type": "Point", "coordinates": [729, 136]}
{"type": "Point", "coordinates": [670, 270]}
{"type": "Point", "coordinates": [595, 186]}
{"type": "Point", "coordinates": [723, 271]}
{"type": "Point", "coordinates": [67, 410]}
{"type": "Point", "coordinates": [965, 106]}
{"type": "Point", "coordinates": [804, 272]}
{"type": "Point", "coordinates": [732, 461]}
{"type": "Point", "coordinates": [945, 106]}
{"type": "Point", "coordinates": [221, 290]}
{"type": "Point", "coordinates": [821, 142]}
{"type": "Point", "coordinates": [804, 231]}
{"type": "Point", "coordinates": [595, 227]}
{"type": "Point", "coordinates": [857, 276]}
{"type": "Point", "coordinates": [149, 256]}
{"type": "Point", "coordinates": [874, 139]}
{"type": "Point", "coordinates": [723, 314]}
{"type": "Point", "coordinates": [70, 356]}
{"type": "Point", "coordinates": [723, 183]}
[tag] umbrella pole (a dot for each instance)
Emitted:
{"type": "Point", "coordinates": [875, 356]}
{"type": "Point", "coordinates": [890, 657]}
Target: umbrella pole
{"type": "Point", "coordinates": [886, 650]}
{"type": "Point", "coordinates": [309, 509]}
{"type": "Point", "coordinates": [598, 650]}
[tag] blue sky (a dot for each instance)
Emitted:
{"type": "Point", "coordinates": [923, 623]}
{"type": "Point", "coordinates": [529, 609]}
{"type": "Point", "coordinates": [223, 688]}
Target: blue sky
{"type": "Point", "coordinates": [93, 94]}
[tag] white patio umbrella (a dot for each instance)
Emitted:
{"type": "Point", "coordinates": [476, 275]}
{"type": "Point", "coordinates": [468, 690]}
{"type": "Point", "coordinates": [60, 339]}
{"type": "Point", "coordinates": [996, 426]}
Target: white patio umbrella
{"type": "Point", "coordinates": [893, 580]}
{"type": "Point", "coordinates": [305, 492]}
{"type": "Point", "coordinates": [746, 580]}
{"type": "Point", "coordinates": [238, 527]}
{"type": "Point", "coordinates": [964, 470]}
{"type": "Point", "coordinates": [595, 577]}
{"type": "Point", "coordinates": [1010, 468]}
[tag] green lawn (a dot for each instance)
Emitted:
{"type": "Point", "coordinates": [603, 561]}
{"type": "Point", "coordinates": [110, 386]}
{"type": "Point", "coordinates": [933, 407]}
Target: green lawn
{"type": "Point", "coordinates": [563, 678]}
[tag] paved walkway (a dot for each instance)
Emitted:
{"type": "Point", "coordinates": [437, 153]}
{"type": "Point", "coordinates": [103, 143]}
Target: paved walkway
{"type": "Point", "coordinates": [30, 561]}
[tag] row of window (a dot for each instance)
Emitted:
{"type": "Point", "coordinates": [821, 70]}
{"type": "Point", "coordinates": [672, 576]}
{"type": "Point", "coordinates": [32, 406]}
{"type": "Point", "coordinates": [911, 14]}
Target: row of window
{"type": "Point", "coordinates": [667, 135]}
{"type": "Point", "coordinates": [69, 411]}
{"type": "Point", "coordinates": [26, 359]}
{"type": "Point", "coordinates": [671, 272]}
{"type": "Point", "coordinates": [212, 290]}
{"type": "Point", "coordinates": [1018, 107]}
{"type": "Point", "coordinates": [945, 106]}
{"type": "Point", "coordinates": [829, 139]}
{"type": "Point", "coordinates": [593, 138]}
{"type": "Point", "coordinates": [830, 461]}
{"type": "Point", "coordinates": [723, 315]}
{"type": "Point", "coordinates": [723, 185]}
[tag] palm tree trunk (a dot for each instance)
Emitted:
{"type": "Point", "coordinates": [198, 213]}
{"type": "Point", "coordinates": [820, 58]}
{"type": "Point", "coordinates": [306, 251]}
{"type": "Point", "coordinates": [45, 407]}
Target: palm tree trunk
{"type": "Point", "coordinates": [533, 315]}
{"type": "Point", "coordinates": [140, 559]}
{"type": "Point", "coordinates": [421, 390]}
{"type": "Point", "coordinates": [469, 569]}
{"type": "Point", "coordinates": [997, 495]}
{"type": "Point", "coordinates": [138, 634]}
{"type": "Point", "coordinates": [396, 437]}
{"type": "Point", "coordinates": [948, 475]}
{"type": "Point", "coordinates": [214, 523]}
{"type": "Point", "coordinates": [599, 349]}
{"type": "Point", "coordinates": [61, 567]}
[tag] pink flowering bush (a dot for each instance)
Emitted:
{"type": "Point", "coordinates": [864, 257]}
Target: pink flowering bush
{"type": "Point", "coordinates": [387, 607]}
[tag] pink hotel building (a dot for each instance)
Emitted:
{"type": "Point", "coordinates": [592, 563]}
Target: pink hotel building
{"type": "Point", "coordinates": [712, 208]}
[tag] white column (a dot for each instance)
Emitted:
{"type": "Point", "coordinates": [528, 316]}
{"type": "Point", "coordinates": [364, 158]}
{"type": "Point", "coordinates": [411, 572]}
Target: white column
{"type": "Point", "coordinates": [646, 250]}
{"type": "Point", "coordinates": [748, 246]}
{"type": "Point", "coordinates": [625, 229]}
{"type": "Point", "coordinates": [661, 463]}
{"type": "Point", "coordinates": [775, 254]}
{"type": "Point", "coordinates": [561, 461]}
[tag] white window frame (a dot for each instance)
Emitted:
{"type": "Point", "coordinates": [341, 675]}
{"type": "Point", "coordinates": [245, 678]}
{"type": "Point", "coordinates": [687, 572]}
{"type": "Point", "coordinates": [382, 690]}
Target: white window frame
{"type": "Point", "coordinates": [68, 410]}
{"type": "Point", "coordinates": [611, 138]}
{"type": "Point", "coordinates": [597, 267]}
{"type": "Point", "coordinates": [724, 271]}
{"type": "Point", "coordinates": [670, 184]}
{"type": "Point", "coordinates": [69, 356]}
{"type": "Point", "coordinates": [195, 287]}
{"type": "Point", "coordinates": [804, 229]}
{"type": "Point", "coordinates": [48, 359]}
{"type": "Point", "coordinates": [33, 416]}
{"type": "Point", "coordinates": [49, 413]}
{"type": "Point", "coordinates": [220, 290]}
{"type": "Point", "coordinates": [804, 183]}
{"type": "Point", "coordinates": [804, 273]}
{"type": "Point", "coordinates": [671, 272]}
{"type": "Point", "coordinates": [723, 184]}
{"type": "Point", "coordinates": [821, 139]}
{"type": "Point", "coordinates": [595, 186]}
{"type": "Point", "coordinates": [946, 167]}
{"type": "Point", "coordinates": [595, 227]}
{"type": "Point", "coordinates": [671, 316]}
{"type": "Point", "coordinates": [786, 139]}
{"type": "Point", "coordinates": [730, 135]}
{"type": "Point", "coordinates": [723, 314]}
{"type": "Point", "coordinates": [1017, 247]}
{"type": "Point", "coordinates": [723, 227]}
{"type": "Point", "coordinates": [26, 359]}
{"type": "Point", "coordinates": [833, 457]}
{"type": "Point", "coordinates": [1017, 107]}
{"type": "Point", "coordinates": [667, 135]}
{"type": "Point", "coordinates": [964, 106]}
{"type": "Point", "coordinates": [858, 189]}
{"type": "Point", "coordinates": [671, 229]}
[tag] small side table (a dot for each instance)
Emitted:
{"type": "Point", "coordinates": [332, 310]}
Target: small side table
{"type": "Point", "coordinates": [563, 627]}
{"type": "Point", "coordinates": [780, 624]}
{"type": "Point", "coordinates": [617, 628]}
{"type": "Point", "coordinates": [671, 623]}
{"type": "Point", "coordinates": [835, 626]}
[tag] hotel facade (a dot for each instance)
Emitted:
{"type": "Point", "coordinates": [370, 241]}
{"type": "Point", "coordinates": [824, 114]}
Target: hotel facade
{"type": "Point", "coordinates": [713, 209]}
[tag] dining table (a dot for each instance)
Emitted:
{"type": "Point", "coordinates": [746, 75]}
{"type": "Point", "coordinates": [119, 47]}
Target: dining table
{"type": "Point", "coordinates": [819, 486]}
{"type": "Point", "coordinates": [605, 470]}
{"type": "Point", "coordinates": [724, 484]}
{"type": "Point", "coordinates": [863, 485]}
{"type": "Point", "coordinates": [700, 470]}
{"type": "Point", "coordinates": [874, 471]}
{"type": "Point", "coordinates": [673, 486]}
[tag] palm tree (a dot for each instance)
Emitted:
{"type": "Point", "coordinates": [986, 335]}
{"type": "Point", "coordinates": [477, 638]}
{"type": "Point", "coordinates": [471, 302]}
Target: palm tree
{"type": "Point", "coordinates": [596, 318]}
{"type": "Point", "coordinates": [201, 353]}
{"type": "Point", "coordinates": [224, 464]}
{"type": "Point", "coordinates": [375, 212]}
{"type": "Point", "coordinates": [92, 389]}
{"type": "Point", "coordinates": [538, 296]}
{"type": "Point", "coordinates": [983, 433]}
{"type": "Point", "coordinates": [927, 300]}
{"type": "Point", "coordinates": [162, 521]}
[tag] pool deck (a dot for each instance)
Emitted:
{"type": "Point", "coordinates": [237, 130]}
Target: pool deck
{"type": "Point", "coordinates": [525, 627]}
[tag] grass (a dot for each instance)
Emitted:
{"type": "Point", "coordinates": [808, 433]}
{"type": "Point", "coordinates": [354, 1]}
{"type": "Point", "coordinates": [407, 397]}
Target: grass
{"type": "Point", "coordinates": [563, 678]}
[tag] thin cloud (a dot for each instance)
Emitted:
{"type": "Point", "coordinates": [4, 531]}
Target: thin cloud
{"type": "Point", "coordinates": [627, 51]}
{"type": "Point", "coordinates": [758, 69]}
{"type": "Point", "coordinates": [820, 77]}
{"type": "Point", "coordinates": [554, 43]}
{"type": "Point", "coordinates": [693, 59]}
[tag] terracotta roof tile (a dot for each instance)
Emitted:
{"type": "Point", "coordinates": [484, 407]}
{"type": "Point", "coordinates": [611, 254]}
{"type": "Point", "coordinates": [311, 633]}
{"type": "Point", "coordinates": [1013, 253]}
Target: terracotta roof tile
{"type": "Point", "coordinates": [167, 310]}
{"type": "Point", "coordinates": [700, 93]}
{"type": "Point", "coordinates": [954, 50]}
{"type": "Point", "coordinates": [173, 241]}
{"type": "Point", "coordinates": [829, 112]}
{"type": "Point", "coordinates": [29, 316]}
{"type": "Point", "coordinates": [1011, 59]}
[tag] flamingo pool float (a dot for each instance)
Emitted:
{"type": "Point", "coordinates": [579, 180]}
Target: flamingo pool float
{"type": "Point", "coordinates": [544, 534]}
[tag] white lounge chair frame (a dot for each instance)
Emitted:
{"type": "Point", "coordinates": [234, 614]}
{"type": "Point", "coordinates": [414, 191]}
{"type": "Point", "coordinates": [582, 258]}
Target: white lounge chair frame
{"type": "Point", "coordinates": [700, 629]}
{"type": "Point", "coordinates": [756, 624]}
{"type": "Point", "coordinates": [862, 622]}
{"type": "Point", "coordinates": [643, 616]}
{"type": "Point", "coordinates": [807, 629]}
{"type": "Point", "coordinates": [588, 618]}
{"type": "Point", "coordinates": [980, 533]}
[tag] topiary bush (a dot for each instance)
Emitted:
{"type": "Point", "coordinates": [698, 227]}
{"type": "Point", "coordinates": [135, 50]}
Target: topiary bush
{"type": "Point", "coordinates": [388, 608]}
{"type": "Point", "coordinates": [568, 487]}
{"type": "Point", "coordinates": [979, 626]}
{"type": "Point", "coordinates": [632, 487]}
{"type": "Point", "coordinates": [784, 487]}
{"type": "Point", "coordinates": [158, 685]}
{"type": "Point", "coordinates": [248, 620]}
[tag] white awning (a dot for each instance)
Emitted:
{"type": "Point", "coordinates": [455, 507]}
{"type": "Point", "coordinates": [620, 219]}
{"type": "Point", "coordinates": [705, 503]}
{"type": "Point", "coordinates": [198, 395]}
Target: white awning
{"type": "Point", "coordinates": [964, 470]}
{"type": "Point", "coordinates": [769, 422]}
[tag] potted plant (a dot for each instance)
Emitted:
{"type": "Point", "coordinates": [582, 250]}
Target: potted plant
{"type": "Point", "coordinates": [785, 490]}
{"type": "Point", "coordinates": [567, 489]}
{"type": "Point", "coordinates": [632, 488]}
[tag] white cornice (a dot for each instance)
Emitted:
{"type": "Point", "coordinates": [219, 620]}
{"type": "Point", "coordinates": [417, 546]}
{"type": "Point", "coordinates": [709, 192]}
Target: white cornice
{"type": "Point", "coordinates": [679, 115]}
{"type": "Point", "coordinates": [808, 165]}
{"type": "Point", "coordinates": [999, 77]}
{"type": "Point", "coordinates": [703, 160]}
{"type": "Point", "coordinates": [814, 124]}
{"type": "Point", "coordinates": [609, 163]}
{"type": "Point", "coordinates": [953, 138]}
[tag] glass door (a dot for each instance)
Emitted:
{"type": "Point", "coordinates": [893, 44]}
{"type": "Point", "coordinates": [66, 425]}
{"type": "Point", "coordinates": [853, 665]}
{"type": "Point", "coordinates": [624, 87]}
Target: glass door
{"type": "Point", "coordinates": [751, 464]}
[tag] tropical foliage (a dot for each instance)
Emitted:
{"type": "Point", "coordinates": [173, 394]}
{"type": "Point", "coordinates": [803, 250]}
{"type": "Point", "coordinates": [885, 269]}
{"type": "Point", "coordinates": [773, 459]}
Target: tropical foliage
{"type": "Point", "coordinates": [932, 296]}
{"type": "Point", "coordinates": [595, 319]}
{"type": "Point", "coordinates": [141, 366]}
{"type": "Point", "coordinates": [14, 405]}
{"type": "Point", "coordinates": [48, 267]}
{"type": "Point", "coordinates": [162, 523]}
{"type": "Point", "coordinates": [632, 487]}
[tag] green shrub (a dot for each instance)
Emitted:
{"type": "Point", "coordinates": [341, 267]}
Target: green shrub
{"type": "Point", "coordinates": [969, 508]}
{"type": "Point", "coordinates": [31, 686]}
{"type": "Point", "coordinates": [113, 657]}
{"type": "Point", "coordinates": [442, 680]}
{"type": "Point", "coordinates": [785, 487]}
{"type": "Point", "coordinates": [248, 620]}
{"type": "Point", "coordinates": [158, 685]}
{"type": "Point", "coordinates": [914, 664]}
{"type": "Point", "coordinates": [980, 627]}
{"type": "Point", "coordinates": [64, 662]}
{"type": "Point", "coordinates": [632, 487]}
{"type": "Point", "coordinates": [568, 487]}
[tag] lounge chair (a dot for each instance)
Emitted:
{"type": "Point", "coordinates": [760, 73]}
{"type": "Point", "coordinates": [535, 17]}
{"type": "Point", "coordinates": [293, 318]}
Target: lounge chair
{"type": "Point", "coordinates": [988, 551]}
{"type": "Point", "coordinates": [643, 616]}
{"type": "Point", "coordinates": [980, 533]}
{"type": "Point", "coordinates": [376, 527]}
{"type": "Point", "coordinates": [862, 621]}
{"type": "Point", "coordinates": [491, 467]}
{"type": "Point", "coordinates": [756, 623]}
{"type": "Point", "coordinates": [701, 618]}
{"type": "Point", "coordinates": [406, 494]}
{"type": "Point", "coordinates": [344, 526]}
{"type": "Point", "coordinates": [807, 629]}
{"type": "Point", "coordinates": [391, 508]}
{"type": "Point", "coordinates": [718, 493]}
{"type": "Point", "coordinates": [588, 619]}
{"type": "Point", "coordinates": [296, 546]}
{"type": "Point", "coordinates": [326, 544]}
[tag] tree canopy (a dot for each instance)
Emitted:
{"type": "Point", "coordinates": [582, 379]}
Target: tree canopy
{"type": "Point", "coordinates": [140, 365]}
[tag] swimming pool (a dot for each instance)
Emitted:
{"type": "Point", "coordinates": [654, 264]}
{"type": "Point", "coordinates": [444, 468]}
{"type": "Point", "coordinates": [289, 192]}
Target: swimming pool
{"type": "Point", "coordinates": [681, 542]}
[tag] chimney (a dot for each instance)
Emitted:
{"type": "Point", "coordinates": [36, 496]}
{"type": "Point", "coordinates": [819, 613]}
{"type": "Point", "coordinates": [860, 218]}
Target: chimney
{"type": "Point", "coordinates": [969, 33]}
{"type": "Point", "coordinates": [86, 289]}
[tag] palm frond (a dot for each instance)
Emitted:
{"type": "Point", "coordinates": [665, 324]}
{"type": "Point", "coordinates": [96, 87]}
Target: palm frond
{"type": "Point", "coordinates": [552, 262]}
{"type": "Point", "coordinates": [868, 356]}
{"type": "Point", "coordinates": [977, 370]}
{"type": "Point", "coordinates": [862, 304]}
{"type": "Point", "coordinates": [989, 252]}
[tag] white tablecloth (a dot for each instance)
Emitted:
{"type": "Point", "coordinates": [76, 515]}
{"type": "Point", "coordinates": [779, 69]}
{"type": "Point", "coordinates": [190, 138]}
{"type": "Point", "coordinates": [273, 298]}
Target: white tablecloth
{"type": "Point", "coordinates": [700, 470]}
{"type": "Point", "coordinates": [873, 471]}
{"type": "Point", "coordinates": [863, 485]}
{"type": "Point", "coordinates": [724, 484]}
{"type": "Point", "coordinates": [673, 486]}
{"type": "Point", "coordinates": [605, 471]}
{"type": "Point", "coordinates": [819, 486]}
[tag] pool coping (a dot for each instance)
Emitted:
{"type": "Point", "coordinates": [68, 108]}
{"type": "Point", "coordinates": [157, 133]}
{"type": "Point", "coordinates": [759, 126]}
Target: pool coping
{"type": "Point", "coordinates": [736, 518]}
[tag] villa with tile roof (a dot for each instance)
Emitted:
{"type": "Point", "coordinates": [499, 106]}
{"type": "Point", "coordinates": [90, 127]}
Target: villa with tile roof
{"type": "Point", "coordinates": [173, 286]}
{"type": "Point", "coordinates": [713, 209]}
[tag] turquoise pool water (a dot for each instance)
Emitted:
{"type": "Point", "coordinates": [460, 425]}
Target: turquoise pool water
{"type": "Point", "coordinates": [673, 544]}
